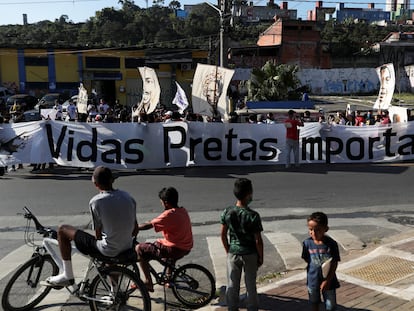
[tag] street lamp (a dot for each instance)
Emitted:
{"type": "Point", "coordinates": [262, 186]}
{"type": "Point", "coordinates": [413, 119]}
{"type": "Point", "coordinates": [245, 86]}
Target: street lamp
{"type": "Point", "coordinates": [221, 31]}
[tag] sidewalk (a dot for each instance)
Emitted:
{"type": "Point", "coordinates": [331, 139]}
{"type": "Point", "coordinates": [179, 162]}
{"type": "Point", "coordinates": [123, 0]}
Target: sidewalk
{"type": "Point", "coordinates": [378, 279]}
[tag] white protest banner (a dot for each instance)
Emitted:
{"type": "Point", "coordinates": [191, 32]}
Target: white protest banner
{"type": "Point", "coordinates": [180, 144]}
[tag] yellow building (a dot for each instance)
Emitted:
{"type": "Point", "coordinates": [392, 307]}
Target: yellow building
{"type": "Point", "coordinates": [112, 73]}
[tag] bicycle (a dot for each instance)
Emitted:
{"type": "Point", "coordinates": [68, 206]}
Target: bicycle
{"type": "Point", "coordinates": [112, 286]}
{"type": "Point", "coordinates": [193, 285]}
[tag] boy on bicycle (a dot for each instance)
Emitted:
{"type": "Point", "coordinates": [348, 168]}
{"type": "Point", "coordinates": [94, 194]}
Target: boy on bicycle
{"type": "Point", "coordinates": [175, 225]}
{"type": "Point", "coordinates": [114, 220]}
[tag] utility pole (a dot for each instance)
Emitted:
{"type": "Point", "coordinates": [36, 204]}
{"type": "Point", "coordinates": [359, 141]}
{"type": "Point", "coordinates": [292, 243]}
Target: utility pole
{"type": "Point", "coordinates": [221, 14]}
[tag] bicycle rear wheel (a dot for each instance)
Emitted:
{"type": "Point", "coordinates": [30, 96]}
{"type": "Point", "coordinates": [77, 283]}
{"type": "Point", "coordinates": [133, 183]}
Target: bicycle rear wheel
{"type": "Point", "coordinates": [24, 291]}
{"type": "Point", "coordinates": [193, 285]}
{"type": "Point", "coordinates": [118, 288]}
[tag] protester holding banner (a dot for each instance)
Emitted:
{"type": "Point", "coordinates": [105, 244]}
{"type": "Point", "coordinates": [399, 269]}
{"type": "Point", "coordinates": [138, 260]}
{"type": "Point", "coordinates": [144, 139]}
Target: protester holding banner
{"type": "Point", "coordinates": [292, 137]}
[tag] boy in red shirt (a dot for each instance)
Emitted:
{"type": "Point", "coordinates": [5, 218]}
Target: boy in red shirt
{"type": "Point", "coordinates": [175, 225]}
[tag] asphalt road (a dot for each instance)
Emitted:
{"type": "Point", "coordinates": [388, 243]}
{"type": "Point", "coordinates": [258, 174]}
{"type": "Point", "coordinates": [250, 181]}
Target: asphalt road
{"type": "Point", "coordinates": [342, 188]}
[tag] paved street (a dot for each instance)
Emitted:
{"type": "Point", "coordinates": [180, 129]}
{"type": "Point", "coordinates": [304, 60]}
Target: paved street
{"type": "Point", "coordinates": [283, 198]}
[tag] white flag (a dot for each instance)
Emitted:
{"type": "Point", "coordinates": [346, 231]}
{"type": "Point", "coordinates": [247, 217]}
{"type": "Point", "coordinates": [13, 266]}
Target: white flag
{"type": "Point", "coordinates": [180, 99]}
{"type": "Point", "coordinates": [209, 90]}
{"type": "Point", "coordinates": [82, 101]}
{"type": "Point", "coordinates": [386, 75]}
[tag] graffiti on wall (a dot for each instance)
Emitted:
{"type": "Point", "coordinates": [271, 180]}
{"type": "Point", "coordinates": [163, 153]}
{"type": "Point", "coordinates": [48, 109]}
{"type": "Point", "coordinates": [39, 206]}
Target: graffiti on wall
{"type": "Point", "coordinates": [340, 80]}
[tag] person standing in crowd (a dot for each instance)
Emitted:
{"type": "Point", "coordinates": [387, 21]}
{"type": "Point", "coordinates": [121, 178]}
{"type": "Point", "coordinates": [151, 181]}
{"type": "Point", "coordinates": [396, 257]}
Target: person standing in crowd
{"type": "Point", "coordinates": [321, 254]}
{"type": "Point", "coordinates": [175, 225]}
{"type": "Point", "coordinates": [103, 107]}
{"type": "Point", "coordinates": [270, 118]}
{"type": "Point", "coordinates": [72, 111]}
{"type": "Point", "coordinates": [359, 119]}
{"type": "Point", "coordinates": [370, 119]}
{"type": "Point", "coordinates": [114, 219]}
{"type": "Point", "coordinates": [58, 107]}
{"type": "Point", "coordinates": [292, 137]}
{"type": "Point", "coordinates": [243, 227]}
{"type": "Point", "coordinates": [385, 118]}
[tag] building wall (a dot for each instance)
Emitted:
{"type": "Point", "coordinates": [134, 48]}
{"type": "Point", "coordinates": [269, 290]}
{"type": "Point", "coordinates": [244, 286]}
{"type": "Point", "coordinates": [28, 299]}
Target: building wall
{"type": "Point", "coordinates": [40, 71]}
{"type": "Point", "coordinates": [343, 81]}
{"type": "Point", "coordinates": [299, 43]}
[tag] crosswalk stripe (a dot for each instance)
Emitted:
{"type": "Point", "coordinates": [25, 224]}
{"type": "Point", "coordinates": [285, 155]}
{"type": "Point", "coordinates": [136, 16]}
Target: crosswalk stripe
{"type": "Point", "coordinates": [218, 257]}
{"type": "Point", "coordinates": [8, 263]}
{"type": "Point", "coordinates": [288, 247]}
{"type": "Point", "coordinates": [59, 297]}
{"type": "Point", "coordinates": [346, 239]}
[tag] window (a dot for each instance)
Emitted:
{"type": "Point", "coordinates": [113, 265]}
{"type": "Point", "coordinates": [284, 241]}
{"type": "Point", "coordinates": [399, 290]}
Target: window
{"type": "Point", "coordinates": [102, 62]}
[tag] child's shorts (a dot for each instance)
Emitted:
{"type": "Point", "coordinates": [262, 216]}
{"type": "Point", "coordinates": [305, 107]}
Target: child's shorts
{"type": "Point", "coordinates": [329, 297]}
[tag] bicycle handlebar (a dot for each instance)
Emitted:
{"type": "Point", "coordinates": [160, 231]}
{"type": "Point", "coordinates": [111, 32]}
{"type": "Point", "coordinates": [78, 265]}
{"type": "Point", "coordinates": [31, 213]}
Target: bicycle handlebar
{"type": "Point", "coordinates": [46, 232]}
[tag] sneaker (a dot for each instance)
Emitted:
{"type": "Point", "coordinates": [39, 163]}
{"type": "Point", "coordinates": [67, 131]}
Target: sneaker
{"type": "Point", "coordinates": [58, 281]}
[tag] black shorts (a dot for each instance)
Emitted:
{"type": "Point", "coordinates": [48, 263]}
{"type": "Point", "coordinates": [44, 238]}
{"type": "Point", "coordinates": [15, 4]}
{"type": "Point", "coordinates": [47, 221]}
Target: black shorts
{"type": "Point", "coordinates": [86, 243]}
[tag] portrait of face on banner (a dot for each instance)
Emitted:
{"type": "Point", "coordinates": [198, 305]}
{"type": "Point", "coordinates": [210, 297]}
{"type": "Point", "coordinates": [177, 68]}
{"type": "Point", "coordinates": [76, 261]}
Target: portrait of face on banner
{"type": "Point", "coordinates": [210, 85]}
{"type": "Point", "coordinates": [386, 75]}
{"type": "Point", "coordinates": [151, 90]}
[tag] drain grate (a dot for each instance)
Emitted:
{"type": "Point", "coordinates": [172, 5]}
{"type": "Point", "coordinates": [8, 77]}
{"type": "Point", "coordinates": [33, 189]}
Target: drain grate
{"type": "Point", "coordinates": [383, 270]}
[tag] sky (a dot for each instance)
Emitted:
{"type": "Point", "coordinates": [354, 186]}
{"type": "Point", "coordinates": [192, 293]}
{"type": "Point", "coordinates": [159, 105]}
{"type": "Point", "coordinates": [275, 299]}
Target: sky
{"type": "Point", "coordinates": [80, 10]}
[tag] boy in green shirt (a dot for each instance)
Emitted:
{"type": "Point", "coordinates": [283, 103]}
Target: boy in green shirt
{"type": "Point", "coordinates": [245, 249]}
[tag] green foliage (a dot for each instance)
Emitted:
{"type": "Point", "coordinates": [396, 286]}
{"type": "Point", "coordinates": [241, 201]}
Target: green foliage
{"type": "Point", "coordinates": [348, 38]}
{"type": "Point", "coordinates": [272, 82]}
{"type": "Point", "coordinates": [158, 26]}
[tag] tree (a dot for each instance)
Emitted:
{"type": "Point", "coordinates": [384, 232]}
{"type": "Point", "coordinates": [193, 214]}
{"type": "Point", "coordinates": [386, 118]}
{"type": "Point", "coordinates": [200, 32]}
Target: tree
{"type": "Point", "coordinates": [272, 82]}
{"type": "Point", "coordinates": [174, 5]}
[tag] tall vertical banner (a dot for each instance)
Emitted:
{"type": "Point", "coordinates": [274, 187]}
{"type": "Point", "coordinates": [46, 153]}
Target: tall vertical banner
{"type": "Point", "coordinates": [210, 85]}
{"type": "Point", "coordinates": [82, 102]}
{"type": "Point", "coordinates": [180, 99]}
{"type": "Point", "coordinates": [151, 90]}
{"type": "Point", "coordinates": [386, 75]}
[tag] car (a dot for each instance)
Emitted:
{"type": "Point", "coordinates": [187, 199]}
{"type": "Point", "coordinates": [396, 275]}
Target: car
{"type": "Point", "coordinates": [31, 115]}
{"type": "Point", "coordinates": [4, 94]}
{"type": "Point", "coordinates": [24, 101]}
{"type": "Point", "coordinates": [48, 101]}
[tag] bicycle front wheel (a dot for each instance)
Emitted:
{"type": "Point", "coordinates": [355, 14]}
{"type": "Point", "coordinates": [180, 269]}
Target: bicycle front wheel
{"type": "Point", "coordinates": [24, 291]}
{"type": "Point", "coordinates": [118, 288]}
{"type": "Point", "coordinates": [193, 285]}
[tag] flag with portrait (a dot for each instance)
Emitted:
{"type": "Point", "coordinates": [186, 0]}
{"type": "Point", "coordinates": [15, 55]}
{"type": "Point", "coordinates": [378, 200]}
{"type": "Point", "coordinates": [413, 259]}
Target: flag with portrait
{"type": "Point", "coordinates": [386, 75]}
{"type": "Point", "coordinates": [151, 90]}
{"type": "Point", "coordinates": [209, 93]}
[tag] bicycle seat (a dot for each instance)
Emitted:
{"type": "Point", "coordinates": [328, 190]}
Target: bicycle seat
{"type": "Point", "coordinates": [125, 258]}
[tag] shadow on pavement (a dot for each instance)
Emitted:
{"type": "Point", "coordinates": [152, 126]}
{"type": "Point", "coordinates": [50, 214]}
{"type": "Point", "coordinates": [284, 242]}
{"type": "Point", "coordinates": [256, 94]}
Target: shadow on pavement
{"type": "Point", "coordinates": [68, 173]}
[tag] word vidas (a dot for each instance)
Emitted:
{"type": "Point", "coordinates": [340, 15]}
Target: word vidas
{"type": "Point", "coordinates": [87, 150]}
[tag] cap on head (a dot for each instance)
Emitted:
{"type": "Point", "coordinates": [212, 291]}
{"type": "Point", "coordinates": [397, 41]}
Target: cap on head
{"type": "Point", "coordinates": [103, 176]}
